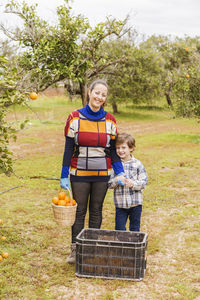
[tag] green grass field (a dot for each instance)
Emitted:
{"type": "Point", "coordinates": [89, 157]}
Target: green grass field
{"type": "Point", "coordinates": [36, 267]}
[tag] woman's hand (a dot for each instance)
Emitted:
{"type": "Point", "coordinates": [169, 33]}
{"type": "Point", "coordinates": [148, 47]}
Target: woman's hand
{"type": "Point", "coordinates": [64, 183]}
{"type": "Point", "coordinates": [120, 179]}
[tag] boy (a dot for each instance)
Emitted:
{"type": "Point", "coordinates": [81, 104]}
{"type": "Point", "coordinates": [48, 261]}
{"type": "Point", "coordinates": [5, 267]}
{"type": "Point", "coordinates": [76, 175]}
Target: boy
{"type": "Point", "coordinates": [128, 194]}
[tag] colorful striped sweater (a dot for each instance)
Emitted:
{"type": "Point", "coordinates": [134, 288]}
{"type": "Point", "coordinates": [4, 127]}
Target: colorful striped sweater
{"type": "Point", "coordinates": [90, 146]}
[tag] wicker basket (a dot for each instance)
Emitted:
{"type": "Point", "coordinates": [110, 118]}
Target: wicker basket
{"type": "Point", "coordinates": [65, 215]}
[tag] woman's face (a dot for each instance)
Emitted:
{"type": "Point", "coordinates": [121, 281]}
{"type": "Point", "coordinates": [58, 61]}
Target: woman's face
{"type": "Point", "coordinates": [97, 96]}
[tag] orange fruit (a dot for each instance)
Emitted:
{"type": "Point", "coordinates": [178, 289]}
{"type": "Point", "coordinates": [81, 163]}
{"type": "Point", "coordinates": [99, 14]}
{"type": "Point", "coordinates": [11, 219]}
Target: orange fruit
{"type": "Point", "coordinates": [4, 254]}
{"type": "Point", "coordinates": [33, 96]}
{"type": "Point", "coordinates": [61, 202]}
{"type": "Point", "coordinates": [61, 195]}
{"type": "Point", "coordinates": [67, 199]}
{"type": "Point", "coordinates": [1, 258]}
{"type": "Point", "coordinates": [74, 202]}
{"type": "Point", "coordinates": [1, 221]}
{"type": "Point", "coordinates": [55, 200]}
{"type": "Point", "coordinates": [3, 238]}
{"type": "Point", "coordinates": [187, 76]}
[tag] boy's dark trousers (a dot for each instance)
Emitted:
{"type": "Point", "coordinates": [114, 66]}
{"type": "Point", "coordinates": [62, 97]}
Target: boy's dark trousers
{"type": "Point", "coordinates": [122, 214]}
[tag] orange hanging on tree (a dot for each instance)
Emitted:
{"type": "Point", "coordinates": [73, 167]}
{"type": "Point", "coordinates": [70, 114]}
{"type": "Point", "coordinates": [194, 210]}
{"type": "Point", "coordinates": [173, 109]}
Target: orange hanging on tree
{"type": "Point", "coordinates": [33, 96]}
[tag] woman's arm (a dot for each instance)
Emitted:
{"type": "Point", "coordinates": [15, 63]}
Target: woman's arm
{"type": "Point", "coordinates": [68, 152]}
{"type": "Point", "coordinates": [115, 159]}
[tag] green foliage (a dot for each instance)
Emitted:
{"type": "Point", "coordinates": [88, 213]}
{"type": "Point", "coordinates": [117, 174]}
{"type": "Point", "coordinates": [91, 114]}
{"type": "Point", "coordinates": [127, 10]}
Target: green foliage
{"type": "Point", "coordinates": [187, 89]}
{"type": "Point", "coordinates": [9, 95]}
{"type": "Point", "coordinates": [135, 79]}
{"type": "Point", "coordinates": [74, 52]}
{"type": "Point", "coordinates": [69, 50]}
{"type": "Point", "coordinates": [49, 51]}
{"type": "Point", "coordinates": [179, 74]}
{"type": "Point", "coordinates": [8, 50]}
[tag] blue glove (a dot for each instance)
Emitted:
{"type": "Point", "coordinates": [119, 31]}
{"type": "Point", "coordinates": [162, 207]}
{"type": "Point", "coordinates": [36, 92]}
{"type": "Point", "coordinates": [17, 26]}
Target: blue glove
{"type": "Point", "coordinates": [122, 173]}
{"type": "Point", "coordinates": [119, 182]}
{"type": "Point", "coordinates": [64, 183]}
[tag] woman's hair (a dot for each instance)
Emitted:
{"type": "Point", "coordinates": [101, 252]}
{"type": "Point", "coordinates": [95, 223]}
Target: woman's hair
{"type": "Point", "coordinates": [124, 137]}
{"type": "Point", "coordinates": [93, 84]}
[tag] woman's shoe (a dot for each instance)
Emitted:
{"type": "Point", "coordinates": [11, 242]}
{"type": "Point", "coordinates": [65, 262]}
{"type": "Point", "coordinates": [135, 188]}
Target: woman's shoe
{"type": "Point", "coordinates": [72, 257]}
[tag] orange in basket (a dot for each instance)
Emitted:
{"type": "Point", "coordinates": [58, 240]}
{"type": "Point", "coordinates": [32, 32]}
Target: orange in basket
{"type": "Point", "coordinates": [64, 208]}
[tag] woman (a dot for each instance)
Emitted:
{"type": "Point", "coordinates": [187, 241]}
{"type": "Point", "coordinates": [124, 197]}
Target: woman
{"type": "Point", "coordinates": [90, 154]}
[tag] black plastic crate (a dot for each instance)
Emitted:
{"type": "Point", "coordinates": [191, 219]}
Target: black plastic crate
{"type": "Point", "coordinates": [111, 254]}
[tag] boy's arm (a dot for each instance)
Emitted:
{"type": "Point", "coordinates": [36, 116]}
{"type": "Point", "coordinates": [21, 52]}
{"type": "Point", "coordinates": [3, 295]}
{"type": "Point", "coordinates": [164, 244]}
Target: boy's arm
{"type": "Point", "coordinates": [141, 181]}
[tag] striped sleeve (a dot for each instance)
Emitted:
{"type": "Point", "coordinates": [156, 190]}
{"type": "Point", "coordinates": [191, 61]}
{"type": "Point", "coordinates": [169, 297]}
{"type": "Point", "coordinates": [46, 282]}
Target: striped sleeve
{"type": "Point", "coordinates": [71, 126]}
{"type": "Point", "coordinates": [110, 119]}
{"type": "Point", "coordinates": [115, 159]}
{"type": "Point", "coordinates": [69, 145]}
{"type": "Point", "coordinates": [68, 152]}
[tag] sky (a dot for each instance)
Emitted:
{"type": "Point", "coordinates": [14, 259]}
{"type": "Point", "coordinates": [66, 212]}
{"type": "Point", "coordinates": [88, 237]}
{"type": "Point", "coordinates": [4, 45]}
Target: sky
{"type": "Point", "coordinates": [148, 17]}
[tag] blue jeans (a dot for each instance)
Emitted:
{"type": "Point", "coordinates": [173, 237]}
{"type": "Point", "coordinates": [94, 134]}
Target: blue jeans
{"type": "Point", "coordinates": [122, 214]}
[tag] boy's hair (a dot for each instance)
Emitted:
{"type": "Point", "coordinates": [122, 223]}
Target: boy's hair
{"type": "Point", "coordinates": [124, 137]}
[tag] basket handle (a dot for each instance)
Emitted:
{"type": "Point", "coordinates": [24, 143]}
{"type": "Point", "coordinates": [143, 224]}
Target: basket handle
{"type": "Point", "coordinates": [70, 194]}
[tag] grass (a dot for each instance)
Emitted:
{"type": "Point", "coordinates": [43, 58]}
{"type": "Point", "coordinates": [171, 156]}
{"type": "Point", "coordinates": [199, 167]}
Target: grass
{"type": "Point", "coordinates": [38, 247]}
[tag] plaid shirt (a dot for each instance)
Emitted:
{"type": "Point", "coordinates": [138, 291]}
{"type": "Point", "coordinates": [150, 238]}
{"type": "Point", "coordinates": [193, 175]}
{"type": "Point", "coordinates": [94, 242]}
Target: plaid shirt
{"type": "Point", "coordinates": [125, 197]}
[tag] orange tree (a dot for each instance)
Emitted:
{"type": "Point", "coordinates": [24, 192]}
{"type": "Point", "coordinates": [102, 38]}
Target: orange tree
{"type": "Point", "coordinates": [136, 80]}
{"type": "Point", "coordinates": [171, 56]}
{"type": "Point", "coordinates": [11, 93]}
{"type": "Point", "coordinates": [187, 89]}
{"type": "Point", "coordinates": [69, 50]}
{"type": "Point", "coordinates": [179, 61]}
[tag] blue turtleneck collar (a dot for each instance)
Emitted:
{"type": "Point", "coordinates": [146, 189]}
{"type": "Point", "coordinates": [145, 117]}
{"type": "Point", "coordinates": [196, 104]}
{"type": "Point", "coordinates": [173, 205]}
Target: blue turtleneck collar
{"type": "Point", "coordinates": [89, 113]}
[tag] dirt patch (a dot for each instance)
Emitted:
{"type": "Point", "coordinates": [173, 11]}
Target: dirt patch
{"type": "Point", "coordinates": [51, 143]}
{"type": "Point", "coordinates": [78, 290]}
{"type": "Point", "coordinates": [156, 127]}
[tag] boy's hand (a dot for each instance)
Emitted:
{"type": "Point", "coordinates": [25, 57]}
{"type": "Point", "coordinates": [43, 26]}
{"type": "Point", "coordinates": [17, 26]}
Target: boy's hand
{"type": "Point", "coordinates": [129, 183]}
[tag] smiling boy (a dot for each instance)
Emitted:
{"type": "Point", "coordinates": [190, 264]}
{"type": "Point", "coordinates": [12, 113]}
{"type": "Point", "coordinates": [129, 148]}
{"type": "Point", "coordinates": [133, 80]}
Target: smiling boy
{"type": "Point", "coordinates": [128, 198]}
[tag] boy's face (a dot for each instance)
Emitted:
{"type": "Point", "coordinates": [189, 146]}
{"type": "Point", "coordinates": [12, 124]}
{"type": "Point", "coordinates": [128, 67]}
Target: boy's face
{"type": "Point", "coordinates": [124, 151]}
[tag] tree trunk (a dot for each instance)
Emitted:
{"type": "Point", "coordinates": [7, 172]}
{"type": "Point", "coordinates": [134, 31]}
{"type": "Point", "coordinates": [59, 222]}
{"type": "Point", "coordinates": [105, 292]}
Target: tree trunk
{"type": "Point", "coordinates": [114, 107]}
{"type": "Point", "coordinates": [169, 101]}
{"type": "Point", "coordinates": [69, 88]}
{"type": "Point", "coordinates": [83, 88]}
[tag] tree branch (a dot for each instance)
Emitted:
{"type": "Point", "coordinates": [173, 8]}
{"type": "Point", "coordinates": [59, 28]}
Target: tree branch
{"type": "Point", "coordinates": [101, 68]}
{"type": "Point", "coordinates": [11, 189]}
